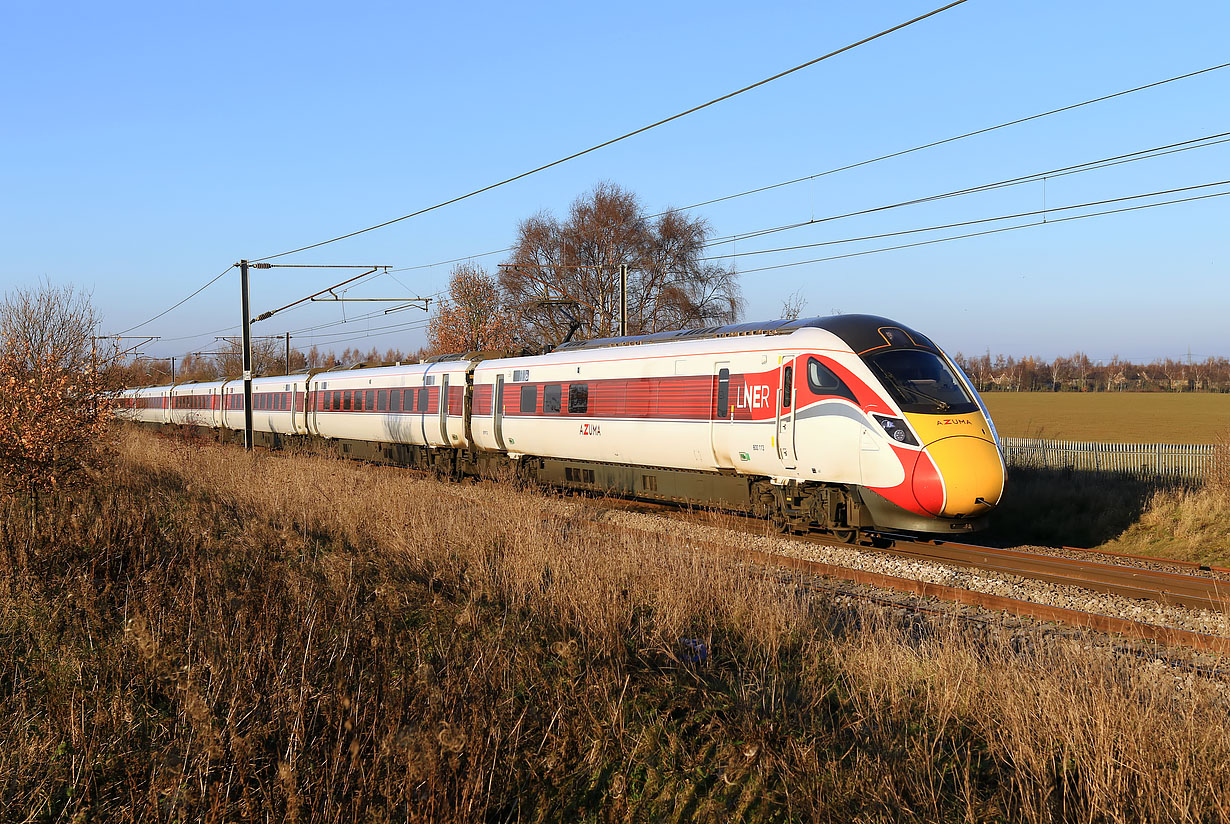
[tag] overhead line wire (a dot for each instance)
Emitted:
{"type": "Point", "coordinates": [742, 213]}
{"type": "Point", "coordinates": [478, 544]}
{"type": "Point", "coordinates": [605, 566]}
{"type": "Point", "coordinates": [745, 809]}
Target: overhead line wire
{"type": "Point", "coordinates": [974, 133]}
{"type": "Point", "coordinates": [774, 185]}
{"type": "Point", "coordinates": [383, 330]}
{"type": "Point", "coordinates": [888, 156]}
{"type": "Point", "coordinates": [1129, 157]}
{"type": "Point", "coordinates": [967, 222]}
{"type": "Point", "coordinates": [211, 282]}
{"type": "Point", "coordinates": [1063, 171]}
{"type": "Point", "coordinates": [1142, 154]}
{"type": "Point", "coordinates": [625, 136]}
{"type": "Point", "coordinates": [988, 232]}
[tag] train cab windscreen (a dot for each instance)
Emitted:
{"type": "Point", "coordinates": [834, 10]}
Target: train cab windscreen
{"type": "Point", "coordinates": [920, 381]}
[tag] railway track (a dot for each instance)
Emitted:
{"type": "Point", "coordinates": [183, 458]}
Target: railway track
{"type": "Point", "coordinates": [1173, 588]}
{"type": "Point", "coordinates": [1138, 582]}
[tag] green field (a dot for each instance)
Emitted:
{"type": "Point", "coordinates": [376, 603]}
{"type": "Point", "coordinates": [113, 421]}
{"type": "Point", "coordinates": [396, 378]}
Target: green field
{"type": "Point", "coordinates": [1112, 417]}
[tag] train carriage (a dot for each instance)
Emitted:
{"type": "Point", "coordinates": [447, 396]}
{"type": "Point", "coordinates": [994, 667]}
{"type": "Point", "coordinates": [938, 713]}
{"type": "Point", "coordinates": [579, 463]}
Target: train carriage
{"type": "Point", "coordinates": [195, 404]}
{"type": "Point", "coordinates": [842, 423]}
{"type": "Point", "coordinates": [395, 404]}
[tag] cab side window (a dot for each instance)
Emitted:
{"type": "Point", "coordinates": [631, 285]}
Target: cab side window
{"type": "Point", "coordinates": [824, 381]}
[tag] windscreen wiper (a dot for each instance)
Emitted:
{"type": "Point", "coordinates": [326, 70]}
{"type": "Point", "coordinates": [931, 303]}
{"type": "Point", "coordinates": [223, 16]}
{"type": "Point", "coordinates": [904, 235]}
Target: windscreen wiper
{"type": "Point", "coordinates": [943, 405]}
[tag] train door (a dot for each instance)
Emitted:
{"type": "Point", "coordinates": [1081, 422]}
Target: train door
{"type": "Point", "coordinates": [443, 404]}
{"type": "Point", "coordinates": [313, 400]}
{"type": "Point", "coordinates": [497, 410]}
{"type": "Point", "coordinates": [721, 423]}
{"type": "Point", "coordinates": [424, 403]}
{"type": "Point", "coordinates": [785, 412]}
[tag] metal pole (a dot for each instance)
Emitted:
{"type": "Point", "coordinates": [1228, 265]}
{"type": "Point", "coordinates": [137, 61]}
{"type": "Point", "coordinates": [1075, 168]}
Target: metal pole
{"type": "Point", "coordinates": [247, 357]}
{"type": "Point", "coordinates": [172, 369]}
{"type": "Point", "coordinates": [623, 299]}
{"type": "Point", "coordinates": [288, 353]}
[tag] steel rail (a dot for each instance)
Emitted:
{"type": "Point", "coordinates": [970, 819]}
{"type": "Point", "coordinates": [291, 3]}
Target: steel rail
{"type": "Point", "coordinates": [1150, 559]}
{"type": "Point", "coordinates": [1174, 588]}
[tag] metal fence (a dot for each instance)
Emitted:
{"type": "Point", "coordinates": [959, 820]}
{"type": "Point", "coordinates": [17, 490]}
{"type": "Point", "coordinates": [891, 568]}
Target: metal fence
{"type": "Point", "coordinates": [1143, 460]}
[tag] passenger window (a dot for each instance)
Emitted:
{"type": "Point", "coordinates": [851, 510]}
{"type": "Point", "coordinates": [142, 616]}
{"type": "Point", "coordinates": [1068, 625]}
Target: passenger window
{"type": "Point", "coordinates": [723, 398]}
{"type": "Point", "coordinates": [578, 398]}
{"type": "Point", "coordinates": [423, 399]}
{"type": "Point", "coordinates": [347, 399]}
{"type": "Point", "coordinates": [395, 400]}
{"type": "Point", "coordinates": [550, 399]}
{"type": "Point", "coordinates": [382, 400]}
{"type": "Point", "coordinates": [787, 386]}
{"type": "Point", "coordinates": [529, 400]}
{"type": "Point", "coordinates": [369, 402]}
{"type": "Point", "coordinates": [824, 381]}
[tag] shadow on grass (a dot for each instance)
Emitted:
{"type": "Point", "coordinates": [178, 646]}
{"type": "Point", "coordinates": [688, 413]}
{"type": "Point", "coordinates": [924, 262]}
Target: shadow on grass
{"type": "Point", "coordinates": [1064, 507]}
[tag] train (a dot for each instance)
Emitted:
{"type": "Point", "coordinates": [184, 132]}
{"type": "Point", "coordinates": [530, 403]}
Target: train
{"type": "Point", "coordinates": [851, 424]}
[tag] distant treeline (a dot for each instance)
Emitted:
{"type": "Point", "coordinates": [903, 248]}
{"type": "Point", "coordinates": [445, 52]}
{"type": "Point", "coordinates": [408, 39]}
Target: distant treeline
{"type": "Point", "coordinates": [268, 358]}
{"type": "Point", "coordinates": [1078, 373]}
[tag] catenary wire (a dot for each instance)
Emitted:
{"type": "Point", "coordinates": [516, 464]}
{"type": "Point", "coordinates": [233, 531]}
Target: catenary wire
{"type": "Point", "coordinates": [625, 136]}
{"type": "Point", "coordinates": [1143, 154]}
{"type": "Point", "coordinates": [985, 232]}
{"type": "Point", "coordinates": [209, 283]}
{"type": "Point", "coordinates": [879, 158]}
{"type": "Point", "coordinates": [1087, 166]}
{"type": "Point", "coordinates": [381, 331]}
{"type": "Point", "coordinates": [1116, 160]}
{"type": "Point", "coordinates": [974, 133]}
{"type": "Point", "coordinates": [1078, 168]}
{"type": "Point", "coordinates": [774, 185]}
{"type": "Point", "coordinates": [1101, 163]}
{"type": "Point", "coordinates": [966, 222]}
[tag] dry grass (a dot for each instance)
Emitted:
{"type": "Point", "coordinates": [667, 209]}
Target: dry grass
{"type": "Point", "coordinates": [207, 635]}
{"type": "Point", "coordinates": [1187, 523]}
{"type": "Point", "coordinates": [1111, 417]}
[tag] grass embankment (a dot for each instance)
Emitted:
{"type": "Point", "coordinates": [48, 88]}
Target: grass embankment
{"type": "Point", "coordinates": [207, 635]}
{"type": "Point", "coordinates": [1111, 417]}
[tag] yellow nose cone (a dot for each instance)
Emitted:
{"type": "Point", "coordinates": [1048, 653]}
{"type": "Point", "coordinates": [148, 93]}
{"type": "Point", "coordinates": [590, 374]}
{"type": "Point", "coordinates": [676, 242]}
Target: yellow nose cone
{"type": "Point", "coordinates": [973, 475]}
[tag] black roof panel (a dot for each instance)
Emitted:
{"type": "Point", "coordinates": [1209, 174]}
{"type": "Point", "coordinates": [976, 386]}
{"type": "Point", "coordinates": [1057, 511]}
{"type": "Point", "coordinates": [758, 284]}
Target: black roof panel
{"type": "Point", "coordinates": [861, 332]}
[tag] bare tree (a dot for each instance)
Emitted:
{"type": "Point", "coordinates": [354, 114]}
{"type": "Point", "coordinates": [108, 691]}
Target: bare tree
{"type": "Point", "coordinates": [267, 357]}
{"type": "Point", "coordinates": [56, 392]}
{"type": "Point", "coordinates": [49, 325]}
{"type": "Point", "coordinates": [793, 305]}
{"type": "Point", "coordinates": [670, 285]}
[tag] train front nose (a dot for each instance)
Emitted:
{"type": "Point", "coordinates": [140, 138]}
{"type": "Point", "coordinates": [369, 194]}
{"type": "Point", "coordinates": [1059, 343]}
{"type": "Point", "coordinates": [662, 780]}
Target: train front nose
{"type": "Point", "coordinates": [961, 476]}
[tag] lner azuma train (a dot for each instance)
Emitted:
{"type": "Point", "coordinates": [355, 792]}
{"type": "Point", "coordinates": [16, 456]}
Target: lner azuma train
{"type": "Point", "coordinates": [845, 423]}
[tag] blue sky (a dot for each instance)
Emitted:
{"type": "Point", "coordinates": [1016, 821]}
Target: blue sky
{"type": "Point", "coordinates": [147, 146]}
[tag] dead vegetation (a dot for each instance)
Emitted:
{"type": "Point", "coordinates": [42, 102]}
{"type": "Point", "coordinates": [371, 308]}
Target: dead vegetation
{"type": "Point", "coordinates": [207, 635]}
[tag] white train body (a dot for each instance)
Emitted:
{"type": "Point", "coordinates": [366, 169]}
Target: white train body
{"type": "Point", "coordinates": [855, 402]}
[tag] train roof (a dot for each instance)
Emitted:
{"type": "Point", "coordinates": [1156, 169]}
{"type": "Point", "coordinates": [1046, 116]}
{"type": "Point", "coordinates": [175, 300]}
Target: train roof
{"type": "Point", "coordinates": [861, 333]}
